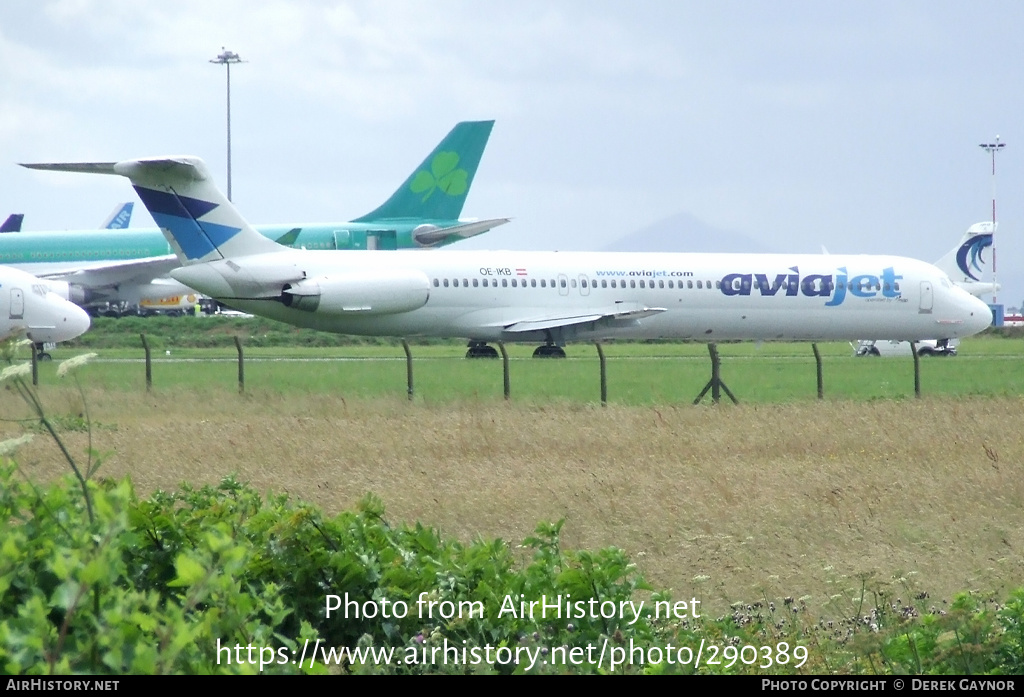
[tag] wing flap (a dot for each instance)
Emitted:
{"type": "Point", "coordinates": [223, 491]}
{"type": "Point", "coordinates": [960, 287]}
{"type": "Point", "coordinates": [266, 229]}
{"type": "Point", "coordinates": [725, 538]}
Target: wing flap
{"type": "Point", "coordinates": [617, 313]}
{"type": "Point", "coordinates": [550, 323]}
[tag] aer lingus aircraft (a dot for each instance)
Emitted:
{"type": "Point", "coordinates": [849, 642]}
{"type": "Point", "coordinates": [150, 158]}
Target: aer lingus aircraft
{"type": "Point", "coordinates": [549, 297]}
{"type": "Point", "coordinates": [29, 307]}
{"type": "Point", "coordinates": [131, 266]}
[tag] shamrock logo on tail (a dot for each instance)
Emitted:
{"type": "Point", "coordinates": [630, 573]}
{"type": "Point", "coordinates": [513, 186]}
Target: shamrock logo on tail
{"type": "Point", "coordinates": [443, 175]}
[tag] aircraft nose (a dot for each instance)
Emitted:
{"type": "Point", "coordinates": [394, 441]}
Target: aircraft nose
{"type": "Point", "coordinates": [979, 315]}
{"type": "Point", "coordinates": [75, 323]}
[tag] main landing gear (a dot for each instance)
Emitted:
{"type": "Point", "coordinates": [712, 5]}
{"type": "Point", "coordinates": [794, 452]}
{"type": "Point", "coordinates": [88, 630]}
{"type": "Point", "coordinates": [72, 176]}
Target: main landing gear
{"type": "Point", "coordinates": [549, 351]}
{"type": "Point", "coordinates": [480, 349]}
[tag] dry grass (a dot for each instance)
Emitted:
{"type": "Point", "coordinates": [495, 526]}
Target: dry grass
{"type": "Point", "coordinates": [759, 499]}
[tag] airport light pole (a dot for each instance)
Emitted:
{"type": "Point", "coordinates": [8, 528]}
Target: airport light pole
{"type": "Point", "coordinates": [226, 58]}
{"type": "Point", "coordinates": [992, 149]}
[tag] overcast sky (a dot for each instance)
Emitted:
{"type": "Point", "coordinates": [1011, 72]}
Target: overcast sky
{"type": "Point", "coordinates": [853, 125]}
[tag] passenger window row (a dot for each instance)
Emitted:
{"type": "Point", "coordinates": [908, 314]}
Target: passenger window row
{"type": "Point", "coordinates": [571, 283]}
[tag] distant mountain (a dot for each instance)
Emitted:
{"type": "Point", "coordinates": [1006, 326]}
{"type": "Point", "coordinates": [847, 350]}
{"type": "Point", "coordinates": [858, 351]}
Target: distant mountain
{"type": "Point", "coordinates": [683, 232]}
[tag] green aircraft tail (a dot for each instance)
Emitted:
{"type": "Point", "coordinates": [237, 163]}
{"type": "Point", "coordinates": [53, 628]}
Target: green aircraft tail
{"type": "Point", "coordinates": [439, 186]}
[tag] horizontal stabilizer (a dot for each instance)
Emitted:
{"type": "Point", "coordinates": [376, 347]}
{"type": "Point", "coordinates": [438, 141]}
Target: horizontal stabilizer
{"type": "Point", "coordinates": [88, 167]}
{"type": "Point", "coordinates": [428, 235]}
{"type": "Point", "coordinates": [978, 288]}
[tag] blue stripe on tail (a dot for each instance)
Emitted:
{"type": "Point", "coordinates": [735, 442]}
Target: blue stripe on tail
{"type": "Point", "coordinates": [180, 216]}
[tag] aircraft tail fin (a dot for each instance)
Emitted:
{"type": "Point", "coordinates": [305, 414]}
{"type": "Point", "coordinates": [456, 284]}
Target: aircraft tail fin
{"type": "Point", "coordinates": [13, 223]}
{"type": "Point", "coordinates": [120, 217]}
{"type": "Point", "coordinates": [437, 189]}
{"type": "Point", "coordinates": [195, 217]}
{"type": "Point", "coordinates": [965, 263]}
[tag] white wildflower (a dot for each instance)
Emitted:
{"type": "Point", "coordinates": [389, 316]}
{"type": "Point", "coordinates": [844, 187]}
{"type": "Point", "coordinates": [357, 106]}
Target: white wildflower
{"type": "Point", "coordinates": [12, 444]}
{"type": "Point", "coordinates": [70, 364]}
{"type": "Point", "coordinates": [9, 347]}
{"type": "Point", "coordinates": [16, 371]}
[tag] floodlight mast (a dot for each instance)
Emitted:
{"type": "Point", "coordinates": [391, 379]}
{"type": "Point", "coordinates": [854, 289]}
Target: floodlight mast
{"type": "Point", "coordinates": [226, 58]}
{"type": "Point", "coordinates": [992, 149]}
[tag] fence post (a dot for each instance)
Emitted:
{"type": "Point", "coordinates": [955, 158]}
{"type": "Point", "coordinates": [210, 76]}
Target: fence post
{"type": "Point", "coordinates": [715, 384]}
{"type": "Point", "coordinates": [504, 361]}
{"type": "Point", "coordinates": [917, 369]}
{"type": "Point", "coordinates": [35, 366]}
{"type": "Point", "coordinates": [241, 365]}
{"type": "Point", "coordinates": [821, 381]}
{"type": "Point", "coordinates": [149, 364]}
{"type": "Point", "coordinates": [604, 375]}
{"type": "Point", "coordinates": [408, 367]}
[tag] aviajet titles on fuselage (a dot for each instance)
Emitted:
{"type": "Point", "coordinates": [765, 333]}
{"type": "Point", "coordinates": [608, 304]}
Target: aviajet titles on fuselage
{"type": "Point", "coordinates": [833, 286]}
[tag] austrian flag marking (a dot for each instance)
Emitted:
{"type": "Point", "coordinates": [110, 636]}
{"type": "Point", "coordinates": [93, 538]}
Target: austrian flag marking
{"type": "Point", "coordinates": [520, 272]}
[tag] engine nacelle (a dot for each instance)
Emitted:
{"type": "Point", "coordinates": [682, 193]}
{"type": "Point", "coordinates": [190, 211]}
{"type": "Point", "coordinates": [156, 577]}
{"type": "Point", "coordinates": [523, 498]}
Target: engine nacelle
{"type": "Point", "coordinates": [76, 294]}
{"type": "Point", "coordinates": [382, 292]}
{"type": "Point", "coordinates": [419, 231]}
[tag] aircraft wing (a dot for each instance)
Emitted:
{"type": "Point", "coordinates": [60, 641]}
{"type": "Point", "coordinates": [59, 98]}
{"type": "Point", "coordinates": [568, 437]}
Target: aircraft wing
{"type": "Point", "coordinates": [433, 235]}
{"type": "Point", "coordinates": [616, 313]}
{"type": "Point", "coordinates": [113, 273]}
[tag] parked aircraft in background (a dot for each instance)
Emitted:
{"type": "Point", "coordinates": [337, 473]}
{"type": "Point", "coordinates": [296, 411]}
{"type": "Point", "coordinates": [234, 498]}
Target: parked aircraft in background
{"type": "Point", "coordinates": [120, 218]}
{"type": "Point", "coordinates": [966, 263]}
{"type": "Point", "coordinates": [27, 305]}
{"type": "Point", "coordinates": [549, 297]}
{"type": "Point", "coordinates": [13, 223]}
{"type": "Point", "coordinates": [131, 266]}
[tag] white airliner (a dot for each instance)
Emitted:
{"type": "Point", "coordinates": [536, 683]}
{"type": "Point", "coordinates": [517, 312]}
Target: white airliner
{"type": "Point", "coordinates": [29, 307]}
{"type": "Point", "coordinates": [549, 297]}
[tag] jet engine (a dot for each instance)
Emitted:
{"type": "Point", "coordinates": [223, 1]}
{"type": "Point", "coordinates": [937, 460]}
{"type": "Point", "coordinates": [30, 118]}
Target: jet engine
{"type": "Point", "coordinates": [76, 294]}
{"type": "Point", "coordinates": [421, 235]}
{"type": "Point", "coordinates": [382, 292]}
